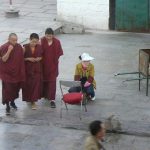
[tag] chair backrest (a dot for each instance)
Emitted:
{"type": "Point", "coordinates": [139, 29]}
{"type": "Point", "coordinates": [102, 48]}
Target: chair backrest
{"type": "Point", "coordinates": [69, 84]}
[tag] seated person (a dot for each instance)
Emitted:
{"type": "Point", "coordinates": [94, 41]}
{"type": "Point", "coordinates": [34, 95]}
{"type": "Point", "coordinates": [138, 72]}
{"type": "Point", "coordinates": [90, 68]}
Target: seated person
{"type": "Point", "coordinates": [84, 72]}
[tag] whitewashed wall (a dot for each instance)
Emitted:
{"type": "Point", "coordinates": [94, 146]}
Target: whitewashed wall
{"type": "Point", "coordinates": [92, 14]}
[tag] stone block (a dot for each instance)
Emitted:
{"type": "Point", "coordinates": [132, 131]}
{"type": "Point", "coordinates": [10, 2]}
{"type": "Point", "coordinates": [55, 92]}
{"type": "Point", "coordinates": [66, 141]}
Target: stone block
{"type": "Point", "coordinates": [11, 13]}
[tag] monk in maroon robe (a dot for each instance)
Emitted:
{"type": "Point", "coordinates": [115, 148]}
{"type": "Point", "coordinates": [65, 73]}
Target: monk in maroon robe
{"type": "Point", "coordinates": [32, 87]}
{"type": "Point", "coordinates": [52, 50]}
{"type": "Point", "coordinates": [12, 71]}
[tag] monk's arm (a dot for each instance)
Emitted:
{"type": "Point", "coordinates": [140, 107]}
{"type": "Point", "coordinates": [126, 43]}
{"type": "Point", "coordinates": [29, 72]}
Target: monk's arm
{"type": "Point", "coordinates": [38, 59]}
{"type": "Point", "coordinates": [5, 57]}
{"type": "Point", "coordinates": [31, 59]}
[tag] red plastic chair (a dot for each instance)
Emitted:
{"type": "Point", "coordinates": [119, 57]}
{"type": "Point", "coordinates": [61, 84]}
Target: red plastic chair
{"type": "Point", "coordinates": [71, 98]}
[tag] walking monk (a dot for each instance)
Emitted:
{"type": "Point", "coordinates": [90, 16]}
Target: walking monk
{"type": "Point", "coordinates": [32, 88]}
{"type": "Point", "coordinates": [52, 50]}
{"type": "Point", "coordinates": [12, 71]}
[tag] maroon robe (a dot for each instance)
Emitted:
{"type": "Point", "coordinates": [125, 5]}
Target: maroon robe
{"type": "Point", "coordinates": [51, 54]}
{"type": "Point", "coordinates": [32, 87]}
{"type": "Point", "coordinates": [12, 72]}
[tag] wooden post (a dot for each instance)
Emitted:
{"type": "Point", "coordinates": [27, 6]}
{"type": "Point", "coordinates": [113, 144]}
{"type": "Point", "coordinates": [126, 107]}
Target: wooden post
{"type": "Point", "coordinates": [10, 5]}
{"type": "Point", "coordinates": [10, 2]}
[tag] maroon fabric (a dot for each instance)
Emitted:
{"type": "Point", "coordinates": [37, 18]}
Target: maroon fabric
{"type": "Point", "coordinates": [72, 98]}
{"type": "Point", "coordinates": [12, 70]}
{"type": "Point", "coordinates": [49, 90]}
{"type": "Point", "coordinates": [32, 87]}
{"type": "Point", "coordinates": [51, 56]}
{"type": "Point", "coordinates": [10, 91]}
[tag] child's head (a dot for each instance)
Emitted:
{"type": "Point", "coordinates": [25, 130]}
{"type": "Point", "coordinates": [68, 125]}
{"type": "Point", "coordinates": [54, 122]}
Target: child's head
{"type": "Point", "coordinates": [97, 129]}
{"type": "Point", "coordinates": [85, 58]}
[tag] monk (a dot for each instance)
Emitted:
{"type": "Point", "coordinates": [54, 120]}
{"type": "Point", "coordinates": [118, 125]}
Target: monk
{"type": "Point", "coordinates": [12, 71]}
{"type": "Point", "coordinates": [52, 50]}
{"type": "Point", "coordinates": [32, 87]}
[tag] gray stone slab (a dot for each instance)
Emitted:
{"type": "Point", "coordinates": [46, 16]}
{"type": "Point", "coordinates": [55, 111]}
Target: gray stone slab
{"type": "Point", "coordinates": [33, 15]}
{"type": "Point", "coordinates": [27, 137]}
{"type": "Point", "coordinates": [114, 52]}
{"type": "Point", "coordinates": [125, 142]}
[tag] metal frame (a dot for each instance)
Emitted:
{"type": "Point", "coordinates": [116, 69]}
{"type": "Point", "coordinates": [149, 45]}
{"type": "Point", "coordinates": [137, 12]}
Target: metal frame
{"type": "Point", "coordinates": [69, 84]}
{"type": "Point", "coordinates": [144, 60]}
{"type": "Point", "coordinates": [144, 55]}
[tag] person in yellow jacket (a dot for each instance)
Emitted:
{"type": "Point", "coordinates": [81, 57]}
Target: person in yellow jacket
{"type": "Point", "coordinates": [97, 134]}
{"type": "Point", "coordinates": [84, 72]}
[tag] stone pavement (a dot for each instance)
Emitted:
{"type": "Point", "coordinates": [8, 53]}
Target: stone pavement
{"type": "Point", "coordinates": [35, 16]}
{"type": "Point", "coordinates": [121, 102]}
{"type": "Point", "coordinates": [114, 52]}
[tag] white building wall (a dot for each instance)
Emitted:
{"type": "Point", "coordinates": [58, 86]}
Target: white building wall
{"type": "Point", "coordinates": [92, 14]}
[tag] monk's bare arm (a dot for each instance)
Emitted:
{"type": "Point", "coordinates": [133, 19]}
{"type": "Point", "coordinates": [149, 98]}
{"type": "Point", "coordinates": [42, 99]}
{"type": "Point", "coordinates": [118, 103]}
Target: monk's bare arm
{"type": "Point", "coordinates": [6, 56]}
{"type": "Point", "coordinates": [38, 59]}
{"type": "Point", "coordinates": [31, 59]}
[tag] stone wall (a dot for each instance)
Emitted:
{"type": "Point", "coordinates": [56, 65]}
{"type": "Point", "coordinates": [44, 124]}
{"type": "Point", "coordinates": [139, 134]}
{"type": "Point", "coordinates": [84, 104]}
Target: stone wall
{"type": "Point", "coordinates": [93, 14]}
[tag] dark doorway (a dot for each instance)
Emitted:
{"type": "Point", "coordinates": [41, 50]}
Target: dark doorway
{"type": "Point", "coordinates": [112, 6]}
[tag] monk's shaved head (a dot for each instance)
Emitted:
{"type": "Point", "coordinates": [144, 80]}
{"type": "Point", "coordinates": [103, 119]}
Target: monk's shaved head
{"type": "Point", "coordinates": [12, 38]}
{"type": "Point", "coordinates": [12, 34]}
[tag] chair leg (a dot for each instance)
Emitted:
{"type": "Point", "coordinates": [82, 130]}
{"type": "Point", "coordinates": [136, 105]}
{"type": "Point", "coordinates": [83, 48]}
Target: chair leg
{"type": "Point", "coordinates": [61, 109]}
{"type": "Point", "coordinates": [85, 107]}
{"type": "Point", "coordinates": [66, 107]}
{"type": "Point", "coordinates": [139, 81]}
{"type": "Point", "coordinates": [80, 110]}
{"type": "Point", "coordinates": [84, 102]}
{"type": "Point", "coordinates": [81, 106]}
{"type": "Point", "coordinates": [147, 81]}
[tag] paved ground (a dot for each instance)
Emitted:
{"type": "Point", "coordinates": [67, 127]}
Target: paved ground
{"type": "Point", "coordinates": [35, 16]}
{"type": "Point", "coordinates": [114, 52]}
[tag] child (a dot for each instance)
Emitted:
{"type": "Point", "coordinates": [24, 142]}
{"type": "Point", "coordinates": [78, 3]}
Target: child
{"type": "Point", "coordinates": [97, 134]}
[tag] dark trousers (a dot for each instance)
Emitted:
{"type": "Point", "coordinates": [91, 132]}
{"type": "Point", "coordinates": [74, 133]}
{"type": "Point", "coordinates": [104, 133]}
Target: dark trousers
{"type": "Point", "coordinates": [88, 90]}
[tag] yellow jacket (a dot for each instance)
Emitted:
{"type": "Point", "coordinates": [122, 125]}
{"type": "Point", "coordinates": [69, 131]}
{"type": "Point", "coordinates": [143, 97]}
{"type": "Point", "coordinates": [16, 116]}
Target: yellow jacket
{"type": "Point", "coordinates": [91, 143]}
{"type": "Point", "coordinates": [89, 73]}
